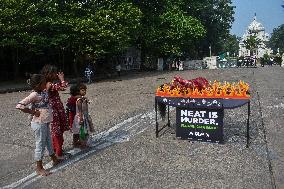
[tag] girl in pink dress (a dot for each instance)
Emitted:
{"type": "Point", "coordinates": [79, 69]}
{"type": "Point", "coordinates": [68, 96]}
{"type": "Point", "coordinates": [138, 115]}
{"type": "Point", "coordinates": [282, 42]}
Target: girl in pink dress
{"type": "Point", "coordinates": [59, 123]}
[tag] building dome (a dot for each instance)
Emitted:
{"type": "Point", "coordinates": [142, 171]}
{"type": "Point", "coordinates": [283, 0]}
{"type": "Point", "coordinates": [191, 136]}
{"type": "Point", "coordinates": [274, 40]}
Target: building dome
{"type": "Point", "coordinates": [255, 29]}
{"type": "Point", "coordinates": [255, 26]}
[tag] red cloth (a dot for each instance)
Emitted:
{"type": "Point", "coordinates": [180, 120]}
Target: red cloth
{"type": "Point", "coordinates": [71, 105]}
{"type": "Point", "coordinates": [71, 119]}
{"type": "Point", "coordinates": [57, 143]}
{"type": "Point", "coordinates": [59, 123]}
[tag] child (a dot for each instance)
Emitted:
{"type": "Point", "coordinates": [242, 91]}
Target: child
{"type": "Point", "coordinates": [118, 69]}
{"type": "Point", "coordinates": [41, 118]}
{"type": "Point", "coordinates": [71, 111]}
{"type": "Point", "coordinates": [79, 119]}
{"type": "Point", "coordinates": [59, 123]}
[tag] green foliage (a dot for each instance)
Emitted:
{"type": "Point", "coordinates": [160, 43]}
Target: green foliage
{"type": "Point", "coordinates": [184, 27]}
{"type": "Point", "coordinates": [171, 32]}
{"type": "Point", "coordinates": [231, 45]}
{"type": "Point", "coordinates": [252, 42]}
{"type": "Point", "coordinates": [216, 17]}
{"type": "Point", "coordinates": [82, 26]}
{"type": "Point", "coordinates": [266, 57]}
{"type": "Point", "coordinates": [161, 28]}
{"type": "Point", "coordinates": [277, 39]}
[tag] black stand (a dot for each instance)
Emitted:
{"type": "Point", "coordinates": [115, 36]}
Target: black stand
{"type": "Point", "coordinates": [206, 103]}
{"type": "Point", "coordinates": [157, 124]}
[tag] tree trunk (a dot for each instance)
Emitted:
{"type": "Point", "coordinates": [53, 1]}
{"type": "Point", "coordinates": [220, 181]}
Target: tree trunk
{"type": "Point", "coordinates": [143, 58]}
{"type": "Point", "coordinates": [74, 65]}
{"type": "Point", "coordinates": [15, 62]}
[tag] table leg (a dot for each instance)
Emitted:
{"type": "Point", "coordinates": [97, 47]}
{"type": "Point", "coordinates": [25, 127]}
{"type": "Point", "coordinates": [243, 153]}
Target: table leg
{"type": "Point", "coordinates": [248, 125]}
{"type": "Point", "coordinates": [157, 125]}
{"type": "Point", "coordinates": [169, 124]}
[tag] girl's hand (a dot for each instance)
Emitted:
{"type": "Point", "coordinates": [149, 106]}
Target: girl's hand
{"type": "Point", "coordinates": [81, 120]}
{"type": "Point", "coordinates": [81, 123]}
{"type": "Point", "coordinates": [86, 99]}
{"type": "Point", "coordinates": [60, 76]}
{"type": "Point", "coordinates": [36, 113]}
{"type": "Point", "coordinates": [62, 88]}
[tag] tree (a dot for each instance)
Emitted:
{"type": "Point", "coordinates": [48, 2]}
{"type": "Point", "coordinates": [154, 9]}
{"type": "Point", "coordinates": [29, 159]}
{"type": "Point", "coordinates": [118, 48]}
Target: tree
{"type": "Point", "coordinates": [216, 17]}
{"type": "Point", "coordinates": [231, 44]}
{"type": "Point", "coordinates": [173, 31]}
{"type": "Point", "coordinates": [252, 43]}
{"type": "Point", "coordinates": [160, 28]}
{"type": "Point", "coordinates": [80, 27]}
{"type": "Point", "coordinates": [166, 29]}
{"type": "Point", "coordinates": [277, 39]}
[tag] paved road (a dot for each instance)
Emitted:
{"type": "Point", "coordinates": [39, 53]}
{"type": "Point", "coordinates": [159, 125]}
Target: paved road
{"type": "Point", "coordinates": [126, 153]}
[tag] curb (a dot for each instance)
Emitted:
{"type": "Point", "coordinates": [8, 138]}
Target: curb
{"type": "Point", "coordinates": [16, 89]}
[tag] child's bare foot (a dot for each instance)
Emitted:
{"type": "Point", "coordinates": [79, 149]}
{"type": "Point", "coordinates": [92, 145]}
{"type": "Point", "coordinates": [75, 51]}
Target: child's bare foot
{"type": "Point", "coordinates": [84, 145]}
{"type": "Point", "coordinates": [64, 156]}
{"type": "Point", "coordinates": [56, 162]}
{"type": "Point", "coordinates": [42, 172]}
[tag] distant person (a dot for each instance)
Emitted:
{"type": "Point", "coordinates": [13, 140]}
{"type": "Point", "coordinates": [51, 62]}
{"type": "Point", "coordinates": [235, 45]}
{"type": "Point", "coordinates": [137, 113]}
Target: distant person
{"type": "Point", "coordinates": [282, 61]}
{"type": "Point", "coordinates": [271, 61]}
{"type": "Point", "coordinates": [180, 66]}
{"type": "Point", "coordinates": [177, 64]}
{"type": "Point", "coordinates": [173, 65]}
{"type": "Point", "coordinates": [59, 122]}
{"type": "Point", "coordinates": [262, 62]}
{"type": "Point", "coordinates": [79, 118]}
{"type": "Point", "coordinates": [89, 73]}
{"type": "Point", "coordinates": [239, 63]}
{"type": "Point", "coordinates": [41, 118]}
{"type": "Point", "coordinates": [118, 69]}
{"type": "Point", "coordinates": [254, 60]}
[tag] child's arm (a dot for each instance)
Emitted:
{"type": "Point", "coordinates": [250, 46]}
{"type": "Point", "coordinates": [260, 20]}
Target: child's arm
{"type": "Point", "coordinates": [59, 86]}
{"type": "Point", "coordinates": [80, 112]}
{"type": "Point", "coordinates": [31, 111]}
{"type": "Point", "coordinates": [26, 101]}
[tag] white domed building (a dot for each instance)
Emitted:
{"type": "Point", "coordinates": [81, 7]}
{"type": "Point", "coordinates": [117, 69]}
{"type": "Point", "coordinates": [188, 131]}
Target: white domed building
{"type": "Point", "coordinates": [255, 29]}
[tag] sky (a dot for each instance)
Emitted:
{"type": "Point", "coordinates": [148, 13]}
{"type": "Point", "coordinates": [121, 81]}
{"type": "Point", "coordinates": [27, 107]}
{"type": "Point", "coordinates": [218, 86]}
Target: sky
{"type": "Point", "coordinates": [269, 13]}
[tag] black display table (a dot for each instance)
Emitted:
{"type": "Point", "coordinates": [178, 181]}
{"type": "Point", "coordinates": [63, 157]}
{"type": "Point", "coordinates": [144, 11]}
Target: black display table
{"type": "Point", "coordinates": [200, 119]}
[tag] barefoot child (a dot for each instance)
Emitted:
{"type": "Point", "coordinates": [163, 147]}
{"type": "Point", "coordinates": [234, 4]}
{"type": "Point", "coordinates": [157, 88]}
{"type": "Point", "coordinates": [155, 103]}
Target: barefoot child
{"type": "Point", "coordinates": [79, 120]}
{"type": "Point", "coordinates": [41, 118]}
{"type": "Point", "coordinates": [59, 123]}
{"type": "Point", "coordinates": [71, 111]}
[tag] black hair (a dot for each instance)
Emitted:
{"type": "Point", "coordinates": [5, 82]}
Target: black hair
{"type": "Point", "coordinates": [35, 81]}
{"type": "Point", "coordinates": [75, 89]}
{"type": "Point", "coordinates": [48, 70]}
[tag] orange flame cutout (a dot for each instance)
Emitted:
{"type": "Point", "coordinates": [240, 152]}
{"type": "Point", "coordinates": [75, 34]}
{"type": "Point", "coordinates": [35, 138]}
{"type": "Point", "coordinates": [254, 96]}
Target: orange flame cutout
{"type": "Point", "coordinates": [216, 89]}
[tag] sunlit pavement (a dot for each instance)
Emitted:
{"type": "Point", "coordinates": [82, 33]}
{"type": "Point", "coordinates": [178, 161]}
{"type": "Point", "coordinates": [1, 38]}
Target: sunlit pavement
{"type": "Point", "coordinates": [126, 154]}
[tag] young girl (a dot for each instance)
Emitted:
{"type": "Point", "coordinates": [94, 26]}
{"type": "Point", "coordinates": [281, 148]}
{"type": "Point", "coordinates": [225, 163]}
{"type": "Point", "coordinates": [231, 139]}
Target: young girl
{"type": "Point", "coordinates": [80, 121]}
{"type": "Point", "coordinates": [59, 123]}
{"type": "Point", "coordinates": [41, 118]}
